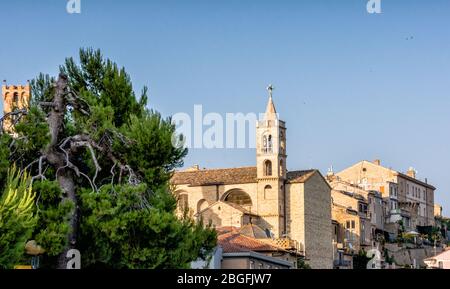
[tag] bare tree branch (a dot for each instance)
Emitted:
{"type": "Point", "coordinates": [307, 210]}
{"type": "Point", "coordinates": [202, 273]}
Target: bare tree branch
{"type": "Point", "coordinates": [17, 116]}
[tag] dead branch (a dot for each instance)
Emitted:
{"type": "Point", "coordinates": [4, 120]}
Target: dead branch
{"type": "Point", "coordinates": [40, 173]}
{"type": "Point", "coordinates": [16, 117]}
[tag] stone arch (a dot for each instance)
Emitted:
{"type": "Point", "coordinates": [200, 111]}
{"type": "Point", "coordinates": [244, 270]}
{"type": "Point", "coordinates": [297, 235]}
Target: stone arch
{"type": "Point", "coordinates": [201, 205]}
{"type": "Point", "coordinates": [182, 201]}
{"type": "Point", "coordinates": [267, 190]}
{"type": "Point", "coordinates": [267, 143]}
{"type": "Point", "coordinates": [238, 197]}
{"type": "Point", "coordinates": [15, 99]}
{"type": "Point", "coordinates": [267, 168]}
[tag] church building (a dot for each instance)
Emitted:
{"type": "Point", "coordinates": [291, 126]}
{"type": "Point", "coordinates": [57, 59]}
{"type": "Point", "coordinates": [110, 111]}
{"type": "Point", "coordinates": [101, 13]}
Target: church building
{"type": "Point", "coordinates": [292, 208]}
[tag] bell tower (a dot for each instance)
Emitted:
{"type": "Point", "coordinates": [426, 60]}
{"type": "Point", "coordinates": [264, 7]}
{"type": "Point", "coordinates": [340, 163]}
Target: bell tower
{"type": "Point", "coordinates": [14, 97]}
{"type": "Point", "coordinates": [271, 168]}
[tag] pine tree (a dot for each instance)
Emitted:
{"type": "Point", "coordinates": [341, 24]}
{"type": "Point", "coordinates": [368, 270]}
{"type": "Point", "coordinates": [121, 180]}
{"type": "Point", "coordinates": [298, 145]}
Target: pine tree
{"type": "Point", "coordinates": [17, 218]}
{"type": "Point", "coordinates": [101, 163]}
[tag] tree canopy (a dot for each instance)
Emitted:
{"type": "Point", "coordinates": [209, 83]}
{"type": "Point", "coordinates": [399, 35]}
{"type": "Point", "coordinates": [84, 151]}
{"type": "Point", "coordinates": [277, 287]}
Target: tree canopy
{"type": "Point", "coordinates": [100, 163]}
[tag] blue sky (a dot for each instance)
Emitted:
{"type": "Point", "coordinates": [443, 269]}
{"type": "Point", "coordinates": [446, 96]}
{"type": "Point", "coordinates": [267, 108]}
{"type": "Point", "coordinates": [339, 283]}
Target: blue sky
{"type": "Point", "coordinates": [349, 84]}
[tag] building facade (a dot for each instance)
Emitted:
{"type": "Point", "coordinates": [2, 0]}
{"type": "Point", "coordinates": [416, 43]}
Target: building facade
{"type": "Point", "coordinates": [408, 200]}
{"type": "Point", "coordinates": [292, 207]}
{"type": "Point", "coordinates": [14, 97]}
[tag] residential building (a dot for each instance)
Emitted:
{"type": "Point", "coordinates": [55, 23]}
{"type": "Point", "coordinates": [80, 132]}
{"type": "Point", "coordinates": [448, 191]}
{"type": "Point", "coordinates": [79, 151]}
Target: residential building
{"type": "Point", "coordinates": [407, 198]}
{"type": "Point", "coordinates": [248, 248]}
{"type": "Point", "coordinates": [437, 211]}
{"type": "Point", "coordinates": [440, 261]}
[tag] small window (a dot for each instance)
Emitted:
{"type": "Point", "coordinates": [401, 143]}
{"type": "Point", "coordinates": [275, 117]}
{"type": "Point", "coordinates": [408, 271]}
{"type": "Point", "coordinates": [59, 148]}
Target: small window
{"type": "Point", "coordinates": [353, 224]}
{"type": "Point", "coordinates": [267, 168]}
{"type": "Point", "coordinates": [16, 97]}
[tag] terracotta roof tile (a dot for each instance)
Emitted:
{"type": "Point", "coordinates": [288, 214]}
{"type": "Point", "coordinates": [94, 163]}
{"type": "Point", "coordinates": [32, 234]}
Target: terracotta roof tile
{"type": "Point", "coordinates": [233, 242]}
{"type": "Point", "coordinates": [300, 176]}
{"type": "Point", "coordinates": [230, 176]}
{"type": "Point", "coordinates": [242, 175]}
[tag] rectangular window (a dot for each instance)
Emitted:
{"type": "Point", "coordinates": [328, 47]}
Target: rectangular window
{"type": "Point", "coordinates": [353, 224]}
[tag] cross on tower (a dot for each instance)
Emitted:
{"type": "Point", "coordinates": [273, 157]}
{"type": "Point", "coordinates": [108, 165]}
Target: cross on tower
{"type": "Point", "coordinates": [270, 89]}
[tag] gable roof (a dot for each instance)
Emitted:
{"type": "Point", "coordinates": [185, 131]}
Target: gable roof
{"type": "Point", "coordinates": [234, 206]}
{"type": "Point", "coordinates": [243, 175]}
{"type": "Point", "coordinates": [394, 172]}
{"type": "Point", "coordinates": [300, 176]}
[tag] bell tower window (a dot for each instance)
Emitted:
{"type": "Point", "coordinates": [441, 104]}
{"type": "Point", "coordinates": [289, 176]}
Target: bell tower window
{"type": "Point", "coordinates": [267, 144]}
{"type": "Point", "coordinates": [15, 98]}
{"type": "Point", "coordinates": [267, 168]}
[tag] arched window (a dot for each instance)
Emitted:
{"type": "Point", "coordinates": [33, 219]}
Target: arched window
{"type": "Point", "coordinates": [281, 167]}
{"type": "Point", "coordinates": [267, 144]}
{"type": "Point", "coordinates": [267, 190]}
{"type": "Point", "coordinates": [270, 145]}
{"type": "Point", "coordinates": [183, 202]}
{"type": "Point", "coordinates": [16, 97]}
{"type": "Point", "coordinates": [201, 205]}
{"type": "Point", "coordinates": [240, 198]}
{"type": "Point", "coordinates": [267, 168]}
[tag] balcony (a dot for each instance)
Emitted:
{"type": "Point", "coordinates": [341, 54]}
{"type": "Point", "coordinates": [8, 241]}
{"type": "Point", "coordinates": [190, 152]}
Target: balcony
{"type": "Point", "coordinates": [284, 243]}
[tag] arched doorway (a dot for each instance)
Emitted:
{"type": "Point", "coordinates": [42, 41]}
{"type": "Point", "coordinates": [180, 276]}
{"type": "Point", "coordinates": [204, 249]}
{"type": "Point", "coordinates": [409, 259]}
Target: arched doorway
{"type": "Point", "coordinates": [240, 198]}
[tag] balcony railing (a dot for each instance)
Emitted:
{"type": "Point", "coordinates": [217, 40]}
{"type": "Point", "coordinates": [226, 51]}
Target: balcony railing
{"type": "Point", "coordinates": [284, 243]}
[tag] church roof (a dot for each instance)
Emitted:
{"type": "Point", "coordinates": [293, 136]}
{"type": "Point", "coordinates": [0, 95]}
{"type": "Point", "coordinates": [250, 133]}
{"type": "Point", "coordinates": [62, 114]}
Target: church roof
{"type": "Point", "coordinates": [243, 175]}
{"type": "Point", "coordinates": [300, 176]}
{"type": "Point", "coordinates": [234, 206]}
{"type": "Point", "coordinates": [270, 110]}
{"type": "Point", "coordinates": [253, 231]}
{"type": "Point", "coordinates": [233, 242]}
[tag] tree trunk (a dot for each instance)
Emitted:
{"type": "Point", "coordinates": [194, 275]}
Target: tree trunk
{"type": "Point", "coordinates": [67, 184]}
{"type": "Point", "coordinates": [58, 159]}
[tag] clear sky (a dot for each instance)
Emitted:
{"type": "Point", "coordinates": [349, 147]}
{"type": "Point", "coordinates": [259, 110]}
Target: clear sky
{"type": "Point", "coordinates": [349, 84]}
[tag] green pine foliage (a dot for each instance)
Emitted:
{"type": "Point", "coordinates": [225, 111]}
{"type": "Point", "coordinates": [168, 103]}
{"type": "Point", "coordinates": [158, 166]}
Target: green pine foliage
{"type": "Point", "coordinates": [131, 232]}
{"type": "Point", "coordinates": [126, 210]}
{"type": "Point", "coordinates": [17, 218]}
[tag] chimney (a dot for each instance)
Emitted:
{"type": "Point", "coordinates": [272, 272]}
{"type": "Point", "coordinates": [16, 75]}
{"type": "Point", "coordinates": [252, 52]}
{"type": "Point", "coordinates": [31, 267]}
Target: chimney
{"type": "Point", "coordinates": [377, 162]}
{"type": "Point", "coordinates": [411, 172]}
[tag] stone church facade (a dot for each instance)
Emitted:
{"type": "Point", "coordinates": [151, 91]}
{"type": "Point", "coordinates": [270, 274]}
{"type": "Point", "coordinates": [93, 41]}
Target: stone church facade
{"type": "Point", "coordinates": [292, 207]}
